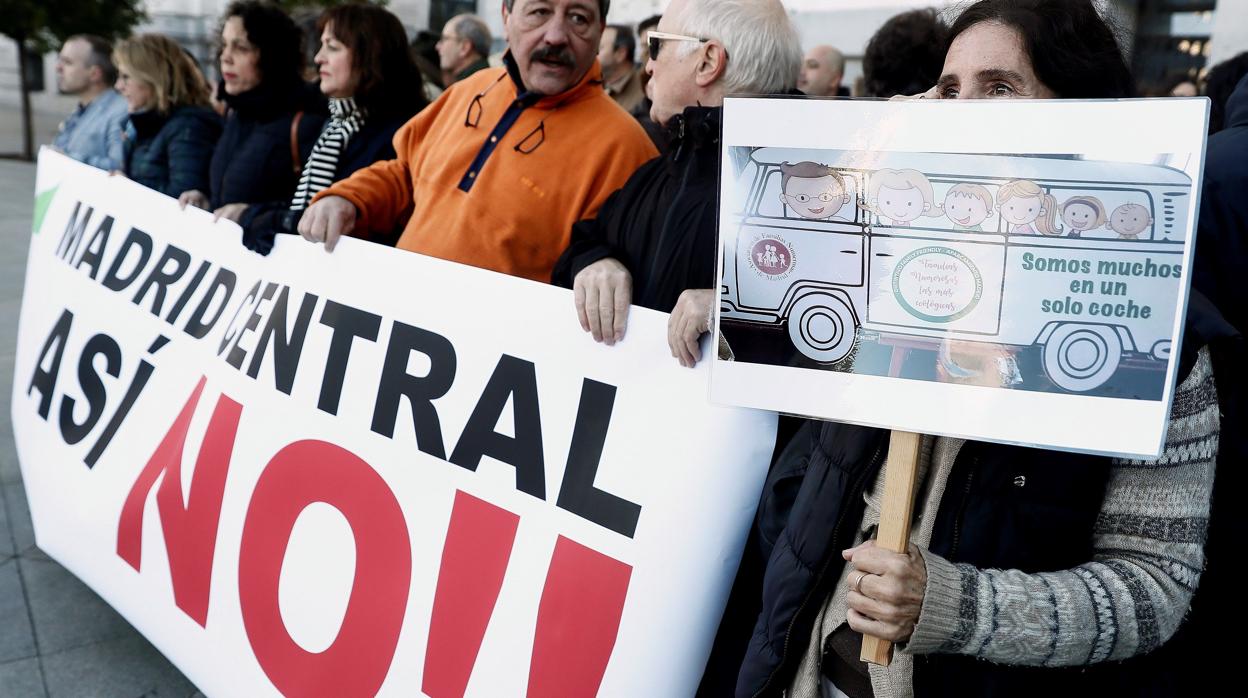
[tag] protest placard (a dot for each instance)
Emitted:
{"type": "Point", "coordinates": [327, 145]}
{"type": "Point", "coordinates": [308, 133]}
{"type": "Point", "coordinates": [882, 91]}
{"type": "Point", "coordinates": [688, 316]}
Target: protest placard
{"type": "Point", "coordinates": [366, 472]}
{"type": "Point", "coordinates": [1014, 271]}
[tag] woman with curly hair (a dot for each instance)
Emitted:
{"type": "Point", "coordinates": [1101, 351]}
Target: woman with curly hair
{"type": "Point", "coordinates": [266, 102]}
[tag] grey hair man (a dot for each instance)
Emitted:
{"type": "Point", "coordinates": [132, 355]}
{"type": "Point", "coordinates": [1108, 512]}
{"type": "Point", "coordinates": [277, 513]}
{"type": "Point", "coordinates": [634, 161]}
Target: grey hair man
{"type": "Point", "coordinates": [464, 47]}
{"type": "Point", "coordinates": [822, 70]}
{"type": "Point", "coordinates": [653, 242]}
{"type": "Point", "coordinates": [93, 133]}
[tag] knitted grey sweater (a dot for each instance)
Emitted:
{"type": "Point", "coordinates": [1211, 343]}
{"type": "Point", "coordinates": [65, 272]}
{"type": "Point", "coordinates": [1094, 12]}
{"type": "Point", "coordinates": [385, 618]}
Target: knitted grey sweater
{"type": "Point", "coordinates": [1149, 544]}
{"type": "Point", "coordinates": [1149, 551]}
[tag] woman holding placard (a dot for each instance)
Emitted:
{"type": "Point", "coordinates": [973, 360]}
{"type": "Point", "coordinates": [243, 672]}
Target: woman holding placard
{"type": "Point", "coordinates": [1049, 565]}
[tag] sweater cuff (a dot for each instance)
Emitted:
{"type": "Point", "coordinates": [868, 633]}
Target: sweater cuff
{"type": "Point", "coordinates": [940, 616]}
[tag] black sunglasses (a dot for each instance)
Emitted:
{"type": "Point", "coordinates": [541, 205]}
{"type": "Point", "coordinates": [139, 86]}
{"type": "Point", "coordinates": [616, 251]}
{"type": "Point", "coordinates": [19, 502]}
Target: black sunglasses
{"type": "Point", "coordinates": [656, 39]}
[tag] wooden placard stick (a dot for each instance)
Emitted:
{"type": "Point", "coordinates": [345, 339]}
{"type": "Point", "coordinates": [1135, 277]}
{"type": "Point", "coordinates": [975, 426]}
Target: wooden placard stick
{"type": "Point", "coordinates": [896, 510]}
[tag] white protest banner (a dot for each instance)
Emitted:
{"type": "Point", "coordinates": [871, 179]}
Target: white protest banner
{"type": "Point", "coordinates": [368, 471]}
{"type": "Point", "coordinates": [1010, 270]}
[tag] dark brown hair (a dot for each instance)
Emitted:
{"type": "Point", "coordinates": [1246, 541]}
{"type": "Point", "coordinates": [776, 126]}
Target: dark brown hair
{"type": "Point", "coordinates": [380, 56]}
{"type": "Point", "coordinates": [808, 170]}
{"type": "Point", "coordinates": [1072, 48]}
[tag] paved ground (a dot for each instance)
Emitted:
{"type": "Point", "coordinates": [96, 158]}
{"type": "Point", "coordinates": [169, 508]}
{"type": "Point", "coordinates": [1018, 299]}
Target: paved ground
{"type": "Point", "coordinates": [57, 638]}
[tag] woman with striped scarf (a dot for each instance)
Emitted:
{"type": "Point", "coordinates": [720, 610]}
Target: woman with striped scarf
{"type": "Point", "coordinates": [373, 86]}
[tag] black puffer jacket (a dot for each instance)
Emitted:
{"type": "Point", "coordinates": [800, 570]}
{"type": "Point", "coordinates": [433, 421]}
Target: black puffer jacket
{"type": "Point", "coordinates": [252, 161]}
{"type": "Point", "coordinates": [171, 153]}
{"type": "Point", "coordinates": [661, 223]}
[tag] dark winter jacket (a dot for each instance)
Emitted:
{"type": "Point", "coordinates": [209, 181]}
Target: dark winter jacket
{"type": "Point", "coordinates": [171, 152]}
{"type": "Point", "coordinates": [1221, 264]}
{"type": "Point", "coordinates": [252, 161]}
{"type": "Point", "coordinates": [374, 141]}
{"type": "Point", "coordinates": [661, 223]}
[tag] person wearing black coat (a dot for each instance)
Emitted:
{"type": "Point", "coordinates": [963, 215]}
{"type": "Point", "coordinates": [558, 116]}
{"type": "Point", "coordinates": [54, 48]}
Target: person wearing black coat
{"type": "Point", "coordinates": [170, 134]}
{"type": "Point", "coordinates": [374, 87]}
{"type": "Point", "coordinates": [267, 103]}
{"type": "Point", "coordinates": [653, 241]}
{"type": "Point", "coordinates": [1221, 263]}
{"type": "Point", "coordinates": [661, 224]}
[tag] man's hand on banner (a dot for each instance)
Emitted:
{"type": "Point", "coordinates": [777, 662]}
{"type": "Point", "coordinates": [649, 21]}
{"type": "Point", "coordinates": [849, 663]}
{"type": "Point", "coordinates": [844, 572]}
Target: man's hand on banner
{"type": "Point", "coordinates": [690, 319]}
{"type": "Point", "coordinates": [327, 220]}
{"type": "Point", "coordinates": [602, 292]}
{"type": "Point", "coordinates": [194, 197]}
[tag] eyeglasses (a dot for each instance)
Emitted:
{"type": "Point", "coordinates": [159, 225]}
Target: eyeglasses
{"type": "Point", "coordinates": [656, 39]}
{"type": "Point", "coordinates": [805, 198]}
{"type": "Point", "coordinates": [530, 142]}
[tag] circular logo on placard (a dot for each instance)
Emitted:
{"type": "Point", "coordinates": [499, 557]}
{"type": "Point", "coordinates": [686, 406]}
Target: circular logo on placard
{"type": "Point", "coordinates": [937, 284]}
{"type": "Point", "coordinates": [772, 257]}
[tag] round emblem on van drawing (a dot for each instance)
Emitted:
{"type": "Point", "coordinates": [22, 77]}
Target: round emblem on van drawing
{"type": "Point", "coordinates": [772, 257]}
{"type": "Point", "coordinates": [937, 284]}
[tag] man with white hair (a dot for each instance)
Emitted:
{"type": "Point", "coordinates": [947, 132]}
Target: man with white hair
{"type": "Point", "coordinates": [653, 241]}
{"type": "Point", "coordinates": [822, 70]}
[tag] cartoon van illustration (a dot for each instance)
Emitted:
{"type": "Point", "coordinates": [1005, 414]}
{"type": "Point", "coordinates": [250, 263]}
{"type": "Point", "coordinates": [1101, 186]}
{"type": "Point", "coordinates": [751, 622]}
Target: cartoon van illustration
{"type": "Point", "coordinates": [1081, 259]}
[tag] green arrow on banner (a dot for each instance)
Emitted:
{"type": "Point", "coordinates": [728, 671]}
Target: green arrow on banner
{"type": "Point", "coordinates": [42, 203]}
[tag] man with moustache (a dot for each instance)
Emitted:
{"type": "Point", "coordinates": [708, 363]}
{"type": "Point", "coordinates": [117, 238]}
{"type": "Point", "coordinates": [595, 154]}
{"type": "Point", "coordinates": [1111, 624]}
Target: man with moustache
{"type": "Point", "coordinates": [496, 171]}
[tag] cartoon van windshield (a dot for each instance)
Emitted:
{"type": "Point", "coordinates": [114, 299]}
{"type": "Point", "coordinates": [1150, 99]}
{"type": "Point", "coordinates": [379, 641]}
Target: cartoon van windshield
{"type": "Point", "coordinates": [1080, 259]}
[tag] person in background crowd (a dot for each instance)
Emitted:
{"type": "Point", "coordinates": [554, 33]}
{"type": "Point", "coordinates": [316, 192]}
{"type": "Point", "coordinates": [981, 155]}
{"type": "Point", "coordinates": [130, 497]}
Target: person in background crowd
{"type": "Point", "coordinates": [1219, 84]}
{"type": "Point", "coordinates": [172, 130]}
{"type": "Point", "coordinates": [366, 71]}
{"type": "Point", "coordinates": [643, 37]}
{"type": "Point", "coordinates": [1220, 267]}
{"type": "Point", "coordinates": [619, 74]}
{"type": "Point", "coordinates": [93, 133]}
{"type": "Point", "coordinates": [464, 47]}
{"type": "Point", "coordinates": [257, 157]}
{"type": "Point", "coordinates": [496, 171]}
{"type": "Point", "coordinates": [821, 72]}
{"type": "Point", "coordinates": [653, 242]}
{"type": "Point", "coordinates": [425, 53]}
{"type": "Point", "coordinates": [641, 112]}
{"type": "Point", "coordinates": [1095, 561]}
{"type": "Point", "coordinates": [904, 57]}
{"type": "Point", "coordinates": [1221, 263]}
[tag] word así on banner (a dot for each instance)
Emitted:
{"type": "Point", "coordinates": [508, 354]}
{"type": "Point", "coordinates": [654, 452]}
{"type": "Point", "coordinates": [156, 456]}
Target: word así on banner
{"type": "Point", "coordinates": [164, 280]}
{"type": "Point", "coordinates": [148, 277]}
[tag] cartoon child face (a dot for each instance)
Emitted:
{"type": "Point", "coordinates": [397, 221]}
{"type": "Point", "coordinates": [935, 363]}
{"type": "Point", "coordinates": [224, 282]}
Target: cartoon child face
{"type": "Point", "coordinates": [1129, 220]}
{"type": "Point", "coordinates": [815, 197]}
{"type": "Point", "coordinates": [965, 210]}
{"type": "Point", "coordinates": [1079, 216]}
{"type": "Point", "coordinates": [902, 205]}
{"type": "Point", "coordinates": [1021, 211]}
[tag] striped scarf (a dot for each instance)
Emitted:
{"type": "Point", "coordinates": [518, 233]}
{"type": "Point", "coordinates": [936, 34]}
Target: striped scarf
{"type": "Point", "coordinates": [318, 173]}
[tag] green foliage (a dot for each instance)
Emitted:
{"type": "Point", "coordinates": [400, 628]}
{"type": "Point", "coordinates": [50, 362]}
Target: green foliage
{"type": "Point", "coordinates": [44, 24]}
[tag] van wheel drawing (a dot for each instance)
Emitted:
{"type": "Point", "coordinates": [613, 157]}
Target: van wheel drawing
{"type": "Point", "coordinates": [822, 327]}
{"type": "Point", "coordinates": [1079, 358]}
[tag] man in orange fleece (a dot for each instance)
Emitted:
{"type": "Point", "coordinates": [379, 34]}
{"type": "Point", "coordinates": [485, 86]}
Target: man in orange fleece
{"type": "Point", "coordinates": [497, 170]}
